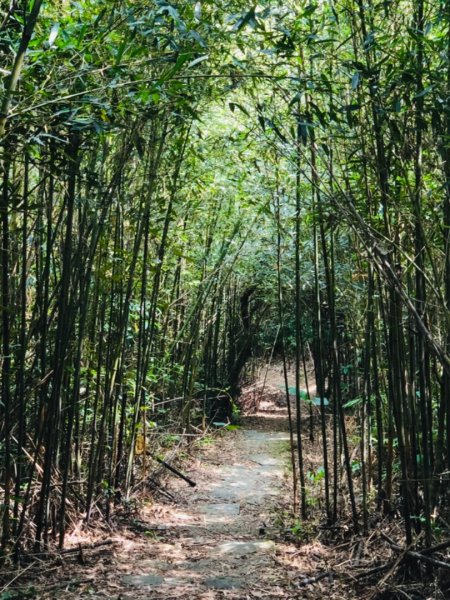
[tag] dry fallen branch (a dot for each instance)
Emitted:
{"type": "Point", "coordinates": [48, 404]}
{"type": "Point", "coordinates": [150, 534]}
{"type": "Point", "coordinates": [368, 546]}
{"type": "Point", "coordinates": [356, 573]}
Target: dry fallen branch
{"type": "Point", "coordinates": [421, 556]}
{"type": "Point", "coordinates": [83, 548]}
{"type": "Point", "coordinates": [17, 576]}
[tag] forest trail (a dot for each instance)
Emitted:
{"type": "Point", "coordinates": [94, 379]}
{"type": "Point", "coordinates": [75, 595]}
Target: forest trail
{"type": "Point", "coordinates": [225, 538]}
{"type": "Point", "coordinates": [219, 547]}
{"type": "Point", "coordinates": [189, 191]}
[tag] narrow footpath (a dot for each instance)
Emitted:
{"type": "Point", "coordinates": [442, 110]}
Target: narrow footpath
{"type": "Point", "coordinates": [220, 545]}
{"type": "Point", "coordinates": [225, 538]}
{"type": "Point", "coordinates": [232, 536]}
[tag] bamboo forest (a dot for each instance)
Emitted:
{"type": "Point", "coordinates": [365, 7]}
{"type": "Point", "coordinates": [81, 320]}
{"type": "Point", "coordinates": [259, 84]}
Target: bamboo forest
{"type": "Point", "coordinates": [225, 299]}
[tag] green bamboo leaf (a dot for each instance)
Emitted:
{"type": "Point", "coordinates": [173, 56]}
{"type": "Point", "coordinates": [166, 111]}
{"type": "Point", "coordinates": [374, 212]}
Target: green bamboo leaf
{"type": "Point", "coordinates": [353, 402]}
{"type": "Point", "coordinates": [198, 60]}
{"type": "Point", "coordinates": [248, 19]}
{"type": "Point", "coordinates": [234, 105]}
{"type": "Point", "coordinates": [424, 92]}
{"type": "Point", "coordinates": [53, 34]}
{"type": "Point", "coordinates": [355, 80]}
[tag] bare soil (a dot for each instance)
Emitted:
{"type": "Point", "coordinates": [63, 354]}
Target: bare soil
{"type": "Point", "coordinates": [232, 536]}
{"type": "Point", "coordinates": [225, 538]}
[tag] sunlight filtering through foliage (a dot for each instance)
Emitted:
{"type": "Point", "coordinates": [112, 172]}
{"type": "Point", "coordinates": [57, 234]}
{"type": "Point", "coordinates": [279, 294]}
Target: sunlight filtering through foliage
{"type": "Point", "coordinates": [190, 188]}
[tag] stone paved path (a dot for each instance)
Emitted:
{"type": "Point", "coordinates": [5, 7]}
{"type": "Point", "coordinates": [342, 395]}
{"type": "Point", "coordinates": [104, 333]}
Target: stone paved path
{"type": "Point", "coordinates": [220, 544]}
{"type": "Point", "coordinates": [229, 537]}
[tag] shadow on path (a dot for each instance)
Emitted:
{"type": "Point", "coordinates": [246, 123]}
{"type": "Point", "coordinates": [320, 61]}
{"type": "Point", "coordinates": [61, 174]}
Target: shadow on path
{"type": "Point", "coordinates": [218, 548]}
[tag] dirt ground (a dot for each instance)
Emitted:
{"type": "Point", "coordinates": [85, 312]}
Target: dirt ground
{"type": "Point", "coordinates": [233, 535]}
{"type": "Point", "coordinates": [225, 538]}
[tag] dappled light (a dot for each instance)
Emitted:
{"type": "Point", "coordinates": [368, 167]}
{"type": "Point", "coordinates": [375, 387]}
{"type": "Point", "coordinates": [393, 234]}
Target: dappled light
{"type": "Point", "coordinates": [224, 299]}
